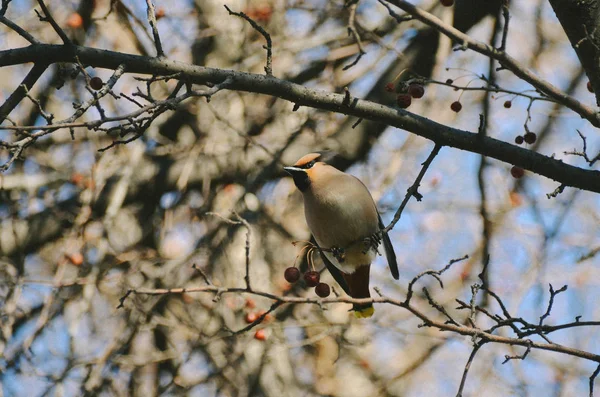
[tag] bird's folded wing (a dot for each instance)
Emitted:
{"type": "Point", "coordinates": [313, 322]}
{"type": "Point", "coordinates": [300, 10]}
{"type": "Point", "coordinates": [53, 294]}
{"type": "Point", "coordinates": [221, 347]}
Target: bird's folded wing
{"type": "Point", "coordinates": [335, 272]}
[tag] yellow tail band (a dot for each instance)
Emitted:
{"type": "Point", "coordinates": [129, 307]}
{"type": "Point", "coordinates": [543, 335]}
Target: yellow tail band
{"type": "Point", "coordinates": [364, 313]}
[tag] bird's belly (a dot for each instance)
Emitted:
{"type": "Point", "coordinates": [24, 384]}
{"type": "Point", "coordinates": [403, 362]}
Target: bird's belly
{"type": "Point", "coordinates": [353, 257]}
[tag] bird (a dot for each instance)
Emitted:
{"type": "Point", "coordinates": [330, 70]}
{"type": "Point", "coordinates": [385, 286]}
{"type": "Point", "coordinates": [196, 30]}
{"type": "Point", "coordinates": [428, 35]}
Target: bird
{"type": "Point", "coordinates": [345, 223]}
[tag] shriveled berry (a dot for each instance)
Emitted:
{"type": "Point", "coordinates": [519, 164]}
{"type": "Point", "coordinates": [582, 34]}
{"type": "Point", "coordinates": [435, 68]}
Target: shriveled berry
{"type": "Point", "coordinates": [311, 278]}
{"type": "Point", "coordinates": [251, 317]}
{"type": "Point", "coordinates": [508, 104]}
{"type": "Point", "coordinates": [96, 83]}
{"type": "Point", "coordinates": [589, 86]}
{"type": "Point", "coordinates": [389, 87]}
{"type": "Point", "coordinates": [250, 304]}
{"type": "Point", "coordinates": [260, 334]}
{"type": "Point", "coordinates": [456, 106]}
{"type": "Point", "coordinates": [322, 290]}
{"type": "Point", "coordinates": [447, 3]}
{"type": "Point", "coordinates": [517, 172]}
{"type": "Point", "coordinates": [416, 91]}
{"type": "Point", "coordinates": [160, 13]}
{"type": "Point", "coordinates": [519, 140]}
{"type": "Point", "coordinates": [530, 137]}
{"type": "Point", "coordinates": [403, 100]}
{"type": "Point", "coordinates": [449, 81]}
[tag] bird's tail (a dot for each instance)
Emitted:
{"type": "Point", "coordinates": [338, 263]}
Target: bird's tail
{"type": "Point", "coordinates": [358, 285]}
{"type": "Point", "coordinates": [363, 311]}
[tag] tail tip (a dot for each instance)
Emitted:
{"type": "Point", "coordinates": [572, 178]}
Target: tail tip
{"type": "Point", "coordinates": [364, 312]}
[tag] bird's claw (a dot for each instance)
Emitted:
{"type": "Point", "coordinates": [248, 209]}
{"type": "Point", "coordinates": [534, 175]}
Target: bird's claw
{"type": "Point", "coordinates": [339, 254]}
{"type": "Point", "coordinates": [372, 242]}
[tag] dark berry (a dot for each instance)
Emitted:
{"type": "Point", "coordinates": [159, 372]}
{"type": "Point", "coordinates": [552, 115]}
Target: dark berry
{"type": "Point", "coordinates": [519, 140]}
{"type": "Point", "coordinates": [456, 106]}
{"type": "Point", "coordinates": [507, 104]}
{"type": "Point", "coordinates": [96, 83]}
{"type": "Point", "coordinates": [530, 137]}
{"type": "Point", "coordinates": [403, 100]}
{"type": "Point", "coordinates": [291, 274]}
{"type": "Point", "coordinates": [311, 278]}
{"type": "Point", "coordinates": [389, 87]}
{"type": "Point", "coordinates": [589, 87]}
{"type": "Point", "coordinates": [416, 91]}
{"type": "Point", "coordinates": [322, 290]}
{"type": "Point", "coordinates": [447, 3]}
{"type": "Point", "coordinates": [517, 172]}
{"type": "Point", "coordinates": [449, 81]}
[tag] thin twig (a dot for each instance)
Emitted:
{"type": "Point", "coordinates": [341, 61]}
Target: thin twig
{"type": "Point", "coordinates": [468, 366]}
{"type": "Point", "coordinates": [352, 32]}
{"type": "Point", "coordinates": [22, 32]}
{"type": "Point", "coordinates": [414, 189]}
{"type": "Point", "coordinates": [267, 36]}
{"type": "Point", "coordinates": [48, 18]}
{"type": "Point", "coordinates": [506, 16]}
{"type": "Point", "coordinates": [152, 21]}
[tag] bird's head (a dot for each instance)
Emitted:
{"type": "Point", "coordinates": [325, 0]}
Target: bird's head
{"type": "Point", "coordinates": [309, 168]}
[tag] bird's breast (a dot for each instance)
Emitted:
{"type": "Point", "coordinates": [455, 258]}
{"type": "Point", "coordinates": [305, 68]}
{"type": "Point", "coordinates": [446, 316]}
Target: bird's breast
{"type": "Point", "coordinates": [342, 219]}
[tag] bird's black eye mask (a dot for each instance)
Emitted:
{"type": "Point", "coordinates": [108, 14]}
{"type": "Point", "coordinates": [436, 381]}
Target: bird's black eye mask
{"type": "Point", "coordinates": [308, 165]}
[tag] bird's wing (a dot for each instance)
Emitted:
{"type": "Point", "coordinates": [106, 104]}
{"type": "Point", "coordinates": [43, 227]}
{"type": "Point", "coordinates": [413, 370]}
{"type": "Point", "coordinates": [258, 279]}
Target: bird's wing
{"type": "Point", "coordinates": [389, 251]}
{"type": "Point", "coordinates": [335, 272]}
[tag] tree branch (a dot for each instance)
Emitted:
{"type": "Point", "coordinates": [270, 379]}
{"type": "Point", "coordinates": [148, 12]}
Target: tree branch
{"type": "Point", "coordinates": [438, 133]}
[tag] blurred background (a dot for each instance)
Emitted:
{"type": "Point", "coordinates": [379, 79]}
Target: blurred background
{"type": "Point", "coordinates": [79, 227]}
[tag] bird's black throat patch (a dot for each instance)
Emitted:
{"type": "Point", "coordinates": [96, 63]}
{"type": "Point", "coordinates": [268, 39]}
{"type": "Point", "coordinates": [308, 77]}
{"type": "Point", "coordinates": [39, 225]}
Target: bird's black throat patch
{"type": "Point", "coordinates": [301, 180]}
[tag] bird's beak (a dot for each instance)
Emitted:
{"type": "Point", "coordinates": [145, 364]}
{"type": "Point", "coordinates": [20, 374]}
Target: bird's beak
{"type": "Point", "coordinates": [293, 170]}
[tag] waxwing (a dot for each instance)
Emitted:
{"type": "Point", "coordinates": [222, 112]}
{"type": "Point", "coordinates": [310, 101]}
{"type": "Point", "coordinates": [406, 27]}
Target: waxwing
{"type": "Point", "coordinates": [345, 223]}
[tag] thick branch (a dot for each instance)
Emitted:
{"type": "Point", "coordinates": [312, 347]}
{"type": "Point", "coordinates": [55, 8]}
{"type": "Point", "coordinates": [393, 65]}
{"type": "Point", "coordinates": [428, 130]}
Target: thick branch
{"type": "Point", "coordinates": [440, 134]}
{"type": "Point", "coordinates": [579, 19]}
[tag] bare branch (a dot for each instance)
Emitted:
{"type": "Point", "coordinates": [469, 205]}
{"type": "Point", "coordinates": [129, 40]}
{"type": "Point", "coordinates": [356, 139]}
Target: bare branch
{"type": "Point", "coordinates": [48, 18]}
{"type": "Point", "coordinates": [152, 21]}
{"type": "Point", "coordinates": [259, 29]}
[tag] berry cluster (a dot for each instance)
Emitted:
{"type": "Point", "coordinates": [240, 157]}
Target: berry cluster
{"type": "Point", "coordinates": [311, 278]}
{"type": "Point", "coordinates": [406, 92]}
{"type": "Point", "coordinates": [529, 138]}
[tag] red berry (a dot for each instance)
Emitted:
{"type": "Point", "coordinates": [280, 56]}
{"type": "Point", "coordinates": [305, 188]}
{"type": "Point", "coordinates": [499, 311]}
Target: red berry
{"type": "Point", "coordinates": [517, 172]}
{"type": "Point", "coordinates": [322, 290]}
{"type": "Point", "coordinates": [530, 137]}
{"type": "Point", "coordinates": [507, 104]}
{"type": "Point", "coordinates": [456, 106]}
{"type": "Point", "coordinates": [519, 140]}
{"type": "Point", "coordinates": [75, 21]}
{"type": "Point", "coordinates": [291, 274]}
{"type": "Point", "coordinates": [416, 91]}
{"type": "Point", "coordinates": [449, 81]}
{"type": "Point", "coordinates": [160, 12]}
{"type": "Point", "coordinates": [311, 278]}
{"type": "Point", "coordinates": [260, 334]}
{"type": "Point", "coordinates": [589, 87]}
{"type": "Point", "coordinates": [389, 87]}
{"type": "Point", "coordinates": [403, 100]}
{"type": "Point", "coordinates": [251, 317]}
{"type": "Point", "coordinates": [96, 83]}
{"type": "Point", "coordinates": [447, 3]}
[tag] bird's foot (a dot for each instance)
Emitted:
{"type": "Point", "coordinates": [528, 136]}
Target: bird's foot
{"type": "Point", "coordinates": [372, 242]}
{"type": "Point", "coordinates": [339, 254]}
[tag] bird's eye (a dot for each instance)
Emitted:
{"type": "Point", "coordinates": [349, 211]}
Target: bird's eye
{"type": "Point", "coordinates": [310, 164]}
